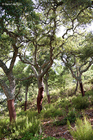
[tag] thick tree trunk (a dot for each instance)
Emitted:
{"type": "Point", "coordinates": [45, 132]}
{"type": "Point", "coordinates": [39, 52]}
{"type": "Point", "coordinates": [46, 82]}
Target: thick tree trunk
{"type": "Point", "coordinates": [40, 99]}
{"type": "Point", "coordinates": [26, 98]}
{"type": "Point", "coordinates": [82, 90]}
{"type": "Point", "coordinates": [9, 92]}
{"type": "Point", "coordinates": [11, 109]}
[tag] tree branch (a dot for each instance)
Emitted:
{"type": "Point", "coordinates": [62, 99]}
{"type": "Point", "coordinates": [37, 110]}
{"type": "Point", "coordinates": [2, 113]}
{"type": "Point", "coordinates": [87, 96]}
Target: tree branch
{"type": "Point", "coordinates": [4, 67]}
{"type": "Point", "coordinates": [90, 63]}
{"type": "Point", "coordinates": [14, 57]}
{"type": "Point", "coordinates": [26, 78]}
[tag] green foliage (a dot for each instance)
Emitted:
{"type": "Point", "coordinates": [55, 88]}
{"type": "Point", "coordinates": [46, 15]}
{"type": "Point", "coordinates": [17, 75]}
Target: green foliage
{"type": "Point", "coordinates": [64, 103]}
{"type": "Point", "coordinates": [26, 122]}
{"type": "Point", "coordinates": [52, 111]}
{"type": "Point", "coordinates": [29, 136]}
{"type": "Point", "coordinates": [91, 100]}
{"type": "Point", "coordinates": [80, 102]}
{"type": "Point", "coordinates": [82, 130]}
{"type": "Point", "coordinates": [71, 117]}
{"type": "Point", "coordinates": [89, 93]}
{"type": "Point", "coordinates": [3, 127]}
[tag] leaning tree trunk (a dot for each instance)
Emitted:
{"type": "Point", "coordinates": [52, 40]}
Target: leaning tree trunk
{"type": "Point", "coordinates": [81, 87]}
{"type": "Point", "coordinates": [26, 98]}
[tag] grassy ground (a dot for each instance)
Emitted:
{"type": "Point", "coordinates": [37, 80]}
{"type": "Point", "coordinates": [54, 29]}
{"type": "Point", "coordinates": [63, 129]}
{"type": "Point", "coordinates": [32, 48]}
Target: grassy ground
{"type": "Point", "coordinates": [56, 120]}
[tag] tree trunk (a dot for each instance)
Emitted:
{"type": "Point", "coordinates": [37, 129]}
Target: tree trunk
{"type": "Point", "coordinates": [26, 98]}
{"type": "Point", "coordinates": [18, 93]}
{"type": "Point", "coordinates": [82, 90]}
{"type": "Point", "coordinates": [46, 85]}
{"type": "Point", "coordinates": [47, 91]}
{"type": "Point", "coordinates": [9, 92]}
{"type": "Point", "coordinates": [40, 99]}
{"type": "Point", "coordinates": [48, 96]}
{"type": "Point", "coordinates": [11, 109]}
{"type": "Point", "coordinates": [76, 88]}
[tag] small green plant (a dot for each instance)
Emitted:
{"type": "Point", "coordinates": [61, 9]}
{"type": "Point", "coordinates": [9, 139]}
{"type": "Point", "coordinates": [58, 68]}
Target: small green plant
{"type": "Point", "coordinates": [3, 127]}
{"type": "Point", "coordinates": [52, 112]}
{"type": "Point", "coordinates": [71, 116]}
{"type": "Point", "coordinates": [29, 136]}
{"type": "Point", "coordinates": [80, 102]}
{"type": "Point", "coordinates": [91, 99]}
{"type": "Point", "coordinates": [64, 103]}
{"type": "Point", "coordinates": [22, 125]}
{"type": "Point", "coordinates": [90, 92]}
{"type": "Point", "coordinates": [82, 130]}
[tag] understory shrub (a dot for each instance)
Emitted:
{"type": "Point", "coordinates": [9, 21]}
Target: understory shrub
{"type": "Point", "coordinates": [52, 112]}
{"type": "Point", "coordinates": [90, 92]}
{"type": "Point", "coordinates": [29, 136]}
{"type": "Point", "coordinates": [22, 125]}
{"type": "Point", "coordinates": [80, 102]}
{"type": "Point", "coordinates": [91, 99]}
{"type": "Point", "coordinates": [64, 103]}
{"type": "Point", "coordinates": [3, 127]}
{"type": "Point", "coordinates": [82, 130]}
{"type": "Point", "coordinates": [71, 116]}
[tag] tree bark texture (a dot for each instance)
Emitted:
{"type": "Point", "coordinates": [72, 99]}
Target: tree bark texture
{"type": "Point", "coordinates": [40, 99]}
{"type": "Point", "coordinates": [9, 92]}
{"type": "Point", "coordinates": [82, 90]}
{"type": "Point", "coordinates": [48, 96]}
{"type": "Point", "coordinates": [25, 106]}
{"type": "Point", "coordinates": [26, 98]}
{"type": "Point", "coordinates": [11, 109]}
{"type": "Point", "coordinates": [47, 91]}
{"type": "Point", "coordinates": [76, 88]}
{"type": "Point", "coordinates": [46, 85]}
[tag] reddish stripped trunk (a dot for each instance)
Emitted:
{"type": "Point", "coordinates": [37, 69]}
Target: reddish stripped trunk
{"type": "Point", "coordinates": [82, 90]}
{"type": "Point", "coordinates": [11, 109]}
{"type": "Point", "coordinates": [40, 99]}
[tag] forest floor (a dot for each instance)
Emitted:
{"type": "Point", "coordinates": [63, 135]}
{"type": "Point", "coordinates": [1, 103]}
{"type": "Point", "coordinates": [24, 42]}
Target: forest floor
{"type": "Point", "coordinates": [62, 131]}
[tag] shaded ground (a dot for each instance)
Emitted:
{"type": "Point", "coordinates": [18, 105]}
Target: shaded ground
{"type": "Point", "coordinates": [62, 131]}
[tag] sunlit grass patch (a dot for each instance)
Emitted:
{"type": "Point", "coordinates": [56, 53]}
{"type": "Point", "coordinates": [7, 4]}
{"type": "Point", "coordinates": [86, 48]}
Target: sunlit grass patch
{"type": "Point", "coordinates": [82, 130]}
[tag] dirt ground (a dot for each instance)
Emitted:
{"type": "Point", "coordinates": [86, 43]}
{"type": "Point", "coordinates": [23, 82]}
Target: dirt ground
{"type": "Point", "coordinates": [62, 131]}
